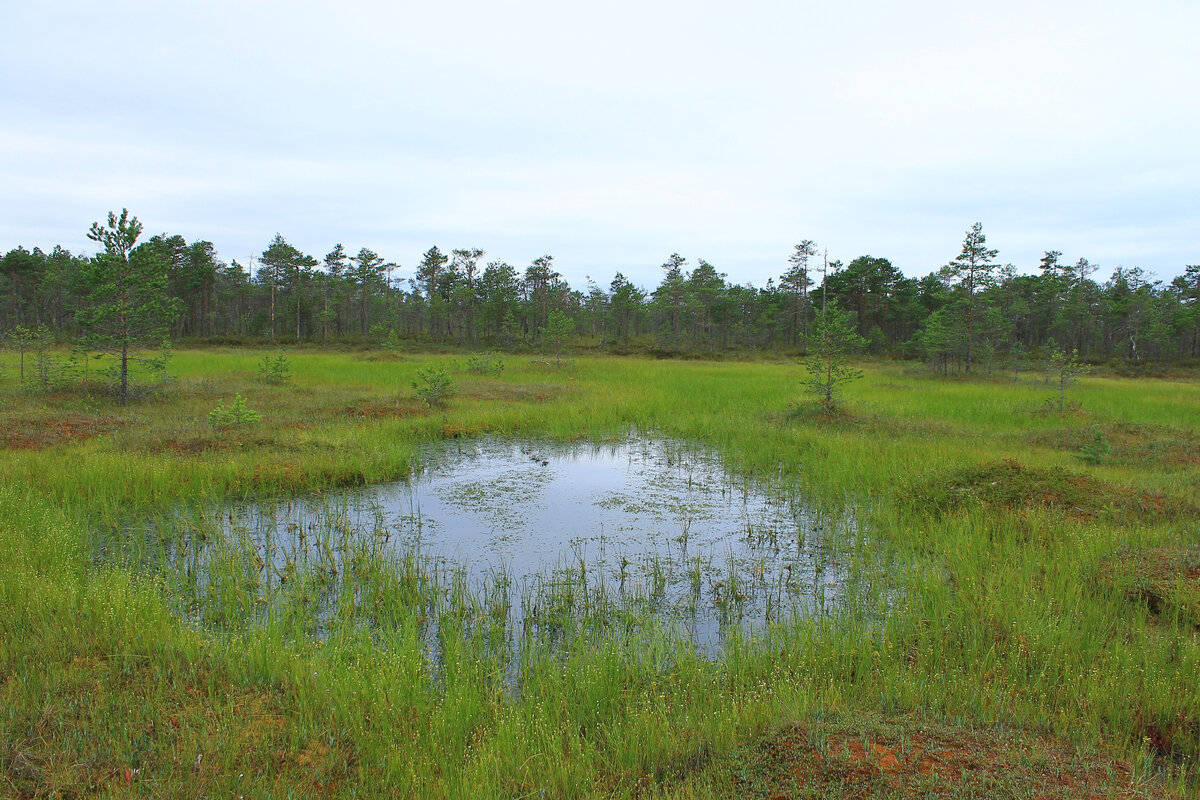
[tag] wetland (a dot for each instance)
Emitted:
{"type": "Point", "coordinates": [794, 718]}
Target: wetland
{"type": "Point", "coordinates": [634, 529]}
{"type": "Point", "coordinates": [619, 578]}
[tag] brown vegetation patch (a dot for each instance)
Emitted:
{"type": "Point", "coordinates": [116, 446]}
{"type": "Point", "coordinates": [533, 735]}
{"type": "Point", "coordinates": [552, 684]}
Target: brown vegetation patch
{"type": "Point", "coordinates": [115, 726]}
{"type": "Point", "coordinates": [852, 420]}
{"type": "Point", "coordinates": [512, 393]}
{"type": "Point", "coordinates": [1165, 579]}
{"type": "Point", "coordinates": [905, 758]}
{"type": "Point", "coordinates": [454, 430]}
{"type": "Point", "coordinates": [195, 444]}
{"type": "Point", "coordinates": [373, 410]}
{"type": "Point", "coordinates": [42, 431]}
{"type": "Point", "coordinates": [1050, 408]}
{"type": "Point", "coordinates": [1148, 445]}
{"type": "Point", "coordinates": [1010, 484]}
{"type": "Point", "coordinates": [380, 355]}
{"type": "Point", "coordinates": [287, 477]}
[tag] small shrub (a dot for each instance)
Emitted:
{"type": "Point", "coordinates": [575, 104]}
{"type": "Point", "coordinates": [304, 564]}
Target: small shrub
{"type": "Point", "coordinates": [1050, 408]}
{"type": "Point", "coordinates": [828, 362]}
{"type": "Point", "coordinates": [238, 415]}
{"type": "Point", "coordinates": [1097, 449]}
{"type": "Point", "coordinates": [158, 366]}
{"type": "Point", "coordinates": [434, 386]}
{"type": "Point", "coordinates": [274, 370]}
{"type": "Point", "coordinates": [1064, 369]}
{"type": "Point", "coordinates": [483, 363]}
{"type": "Point", "coordinates": [46, 366]}
{"type": "Point", "coordinates": [37, 340]}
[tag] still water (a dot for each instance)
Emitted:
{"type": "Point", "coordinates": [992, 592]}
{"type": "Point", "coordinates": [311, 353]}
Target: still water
{"type": "Point", "coordinates": [648, 527]}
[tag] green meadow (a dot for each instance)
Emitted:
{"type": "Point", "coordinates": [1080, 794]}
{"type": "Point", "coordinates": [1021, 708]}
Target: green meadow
{"type": "Point", "coordinates": [1020, 615]}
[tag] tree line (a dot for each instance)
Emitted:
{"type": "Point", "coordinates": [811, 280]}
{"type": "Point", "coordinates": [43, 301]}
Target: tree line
{"type": "Point", "coordinates": [972, 314]}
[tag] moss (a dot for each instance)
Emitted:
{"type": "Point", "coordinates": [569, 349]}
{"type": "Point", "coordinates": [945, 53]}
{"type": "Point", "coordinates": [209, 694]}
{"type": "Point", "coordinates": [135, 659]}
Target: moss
{"type": "Point", "coordinates": [874, 756]}
{"type": "Point", "coordinates": [1165, 579]}
{"type": "Point", "coordinates": [1008, 483]}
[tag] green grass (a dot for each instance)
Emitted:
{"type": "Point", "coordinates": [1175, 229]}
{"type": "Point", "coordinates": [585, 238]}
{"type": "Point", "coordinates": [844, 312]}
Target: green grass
{"type": "Point", "coordinates": [1004, 613]}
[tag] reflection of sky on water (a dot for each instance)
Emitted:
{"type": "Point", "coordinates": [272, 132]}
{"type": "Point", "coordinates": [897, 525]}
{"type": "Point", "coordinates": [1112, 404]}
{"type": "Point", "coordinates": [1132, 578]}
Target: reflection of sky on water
{"type": "Point", "coordinates": [660, 521]}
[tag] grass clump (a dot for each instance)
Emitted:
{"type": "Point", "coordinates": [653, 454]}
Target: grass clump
{"type": "Point", "coordinates": [1141, 445]}
{"type": "Point", "coordinates": [898, 757]}
{"type": "Point", "coordinates": [953, 636]}
{"type": "Point", "coordinates": [1165, 579]}
{"type": "Point", "coordinates": [1007, 483]}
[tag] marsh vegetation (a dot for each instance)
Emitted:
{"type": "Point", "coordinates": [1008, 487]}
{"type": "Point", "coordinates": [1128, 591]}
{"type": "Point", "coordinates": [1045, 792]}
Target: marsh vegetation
{"type": "Point", "coordinates": [536, 538]}
{"type": "Point", "coordinates": [359, 593]}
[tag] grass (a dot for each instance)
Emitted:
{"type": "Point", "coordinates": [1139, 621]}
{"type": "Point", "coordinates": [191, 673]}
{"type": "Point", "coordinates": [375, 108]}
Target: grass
{"type": "Point", "coordinates": [1010, 484]}
{"type": "Point", "coordinates": [1022, 643]}
{"type": "Point", "coordinates": [905, 756]}
{"type": "Point", "coordinates": [1166, 579]}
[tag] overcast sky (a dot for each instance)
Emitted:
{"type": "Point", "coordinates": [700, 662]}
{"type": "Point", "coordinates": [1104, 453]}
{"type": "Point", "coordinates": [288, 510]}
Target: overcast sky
{"type": "Point", "coordinates": [611, 134]}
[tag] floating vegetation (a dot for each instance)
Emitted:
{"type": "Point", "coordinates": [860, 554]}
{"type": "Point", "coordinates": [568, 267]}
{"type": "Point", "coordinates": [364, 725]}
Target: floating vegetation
{"type": "Point", "coordinates": [511, 540]}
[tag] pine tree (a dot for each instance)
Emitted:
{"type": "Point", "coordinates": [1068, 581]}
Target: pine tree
{"type": "Point", "coordinates": [828, 362]}
{"type": "Point", "coordinates": [431, 277]}
{"type": "Point", "coordinates": [972, 271]}
{"type": "Point", "coordinates": [126, 303]}
{"type": "Point", "coordinates": [368, 271]}
{"type": "Point", "coordinates": [558, 330]}
{"type": "Point", "coordinates": [669, 298]}
{"type": "Point", "coordinates": [796, 282]}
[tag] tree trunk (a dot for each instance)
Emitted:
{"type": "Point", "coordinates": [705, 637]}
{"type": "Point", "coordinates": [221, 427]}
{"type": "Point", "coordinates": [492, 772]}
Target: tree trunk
{"type": "Point", "coordinates": [123, 397]}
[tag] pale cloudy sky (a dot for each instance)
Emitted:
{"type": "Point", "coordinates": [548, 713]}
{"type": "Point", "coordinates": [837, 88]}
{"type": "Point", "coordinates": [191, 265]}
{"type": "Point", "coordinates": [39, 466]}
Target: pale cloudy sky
{"type": "Point", "coordinates": [611, 134]}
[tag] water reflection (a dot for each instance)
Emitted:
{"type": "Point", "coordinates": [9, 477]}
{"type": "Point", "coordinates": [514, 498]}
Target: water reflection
{"type": "Point", "coordinates": [541, 535]}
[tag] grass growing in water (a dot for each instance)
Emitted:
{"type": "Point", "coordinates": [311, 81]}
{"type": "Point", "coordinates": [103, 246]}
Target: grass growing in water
{"type": "Point", "coordinates": [996, 616]}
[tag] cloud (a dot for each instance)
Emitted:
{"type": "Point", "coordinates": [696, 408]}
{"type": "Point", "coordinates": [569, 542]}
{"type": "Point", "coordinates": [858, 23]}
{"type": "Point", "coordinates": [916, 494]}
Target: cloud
{"type": "Point", "coordinates": [611, 134]}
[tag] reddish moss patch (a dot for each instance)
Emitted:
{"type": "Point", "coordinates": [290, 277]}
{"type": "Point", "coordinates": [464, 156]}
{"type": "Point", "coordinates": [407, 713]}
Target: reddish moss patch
{"type": "Point", "coordinates": [1011, 484]}
{"type": "Point", "coordinates": [454, 430]}
{"type": "Point", "coordinates": [903, 758]}
{"type": "Point", "coordinates": [1165, 579]}
{"type": "Point", "coordinates": [369, 410]}
{"type": "Point", "coordinates": [40, 432]}
{"type": "Point", "coordinates": [1149, 445]}
{"type": "Point", "coordinates": [512, 393]}
{"type": "Point", "coordinates": [215, 441]}
{"type": "Point", "coordinates": [114, 727]}
{"type": "Point", "coordinates": [1175, 739]}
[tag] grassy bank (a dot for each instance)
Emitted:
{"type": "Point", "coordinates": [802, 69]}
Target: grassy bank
{"type": "Point", "coordinates": [1012, 590]}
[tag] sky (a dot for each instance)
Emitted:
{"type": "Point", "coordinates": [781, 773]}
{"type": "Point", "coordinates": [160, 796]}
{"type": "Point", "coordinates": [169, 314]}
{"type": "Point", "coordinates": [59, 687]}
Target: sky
{"type": "Point", "coordinates": [611, 134]}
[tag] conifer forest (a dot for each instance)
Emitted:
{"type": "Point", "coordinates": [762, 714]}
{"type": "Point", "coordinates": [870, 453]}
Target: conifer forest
{"type": "Point", "coordinates": [974, 313]}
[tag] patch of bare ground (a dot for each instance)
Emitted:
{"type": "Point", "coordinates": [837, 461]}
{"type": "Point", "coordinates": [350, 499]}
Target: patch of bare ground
{"type": "Point", "coordinates": [909, 758]}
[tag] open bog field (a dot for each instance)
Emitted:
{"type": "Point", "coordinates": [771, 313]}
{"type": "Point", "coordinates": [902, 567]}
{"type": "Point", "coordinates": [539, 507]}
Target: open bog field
{"type": "Point", "coordinates": [614, 578]}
